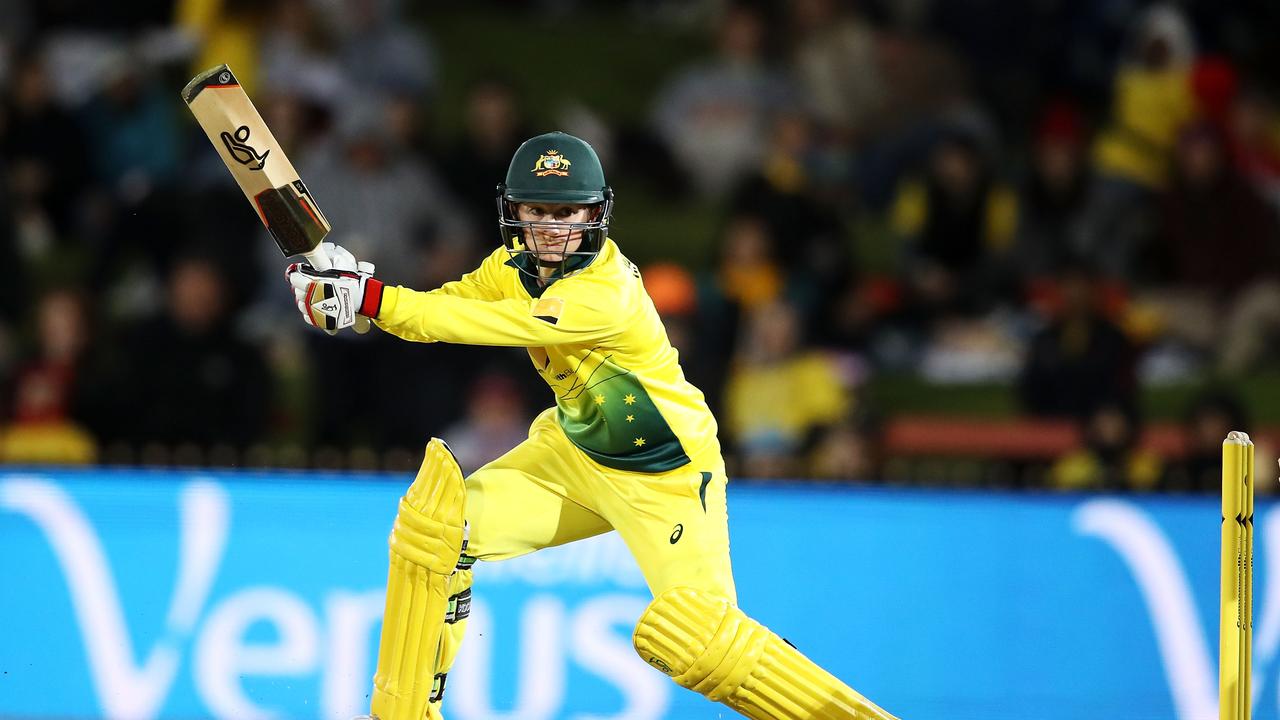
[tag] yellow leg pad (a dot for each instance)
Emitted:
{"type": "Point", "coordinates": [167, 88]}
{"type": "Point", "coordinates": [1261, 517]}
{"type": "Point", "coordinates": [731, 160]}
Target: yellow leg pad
{"type": "Point", "coordinates": [426, 542]}
{"type": "Point", "coordinates": [708, 645]}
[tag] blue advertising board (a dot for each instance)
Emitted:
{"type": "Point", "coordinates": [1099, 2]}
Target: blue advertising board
{"type": "Point", "coordinates": [138, 594]}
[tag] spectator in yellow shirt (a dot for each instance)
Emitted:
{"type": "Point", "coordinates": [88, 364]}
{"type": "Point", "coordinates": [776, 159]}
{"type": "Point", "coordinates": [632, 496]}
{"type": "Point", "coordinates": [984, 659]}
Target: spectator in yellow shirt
{"type": "Point", "coordinates": [778, 394]}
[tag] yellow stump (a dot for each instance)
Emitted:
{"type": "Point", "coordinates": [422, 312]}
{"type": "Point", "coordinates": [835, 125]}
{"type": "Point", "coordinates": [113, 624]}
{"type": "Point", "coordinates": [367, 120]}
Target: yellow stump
{"type": "Point", "coordinates": [1235, 617]}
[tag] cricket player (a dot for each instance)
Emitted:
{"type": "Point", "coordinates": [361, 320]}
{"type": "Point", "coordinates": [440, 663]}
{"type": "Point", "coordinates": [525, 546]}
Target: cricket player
{"type": "Point", "coordinates": [629, 446]}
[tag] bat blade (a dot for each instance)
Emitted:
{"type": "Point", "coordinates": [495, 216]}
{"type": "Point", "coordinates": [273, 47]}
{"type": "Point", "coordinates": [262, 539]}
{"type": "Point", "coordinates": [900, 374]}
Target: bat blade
{"type": "Point", "coordinates": [258, 163]}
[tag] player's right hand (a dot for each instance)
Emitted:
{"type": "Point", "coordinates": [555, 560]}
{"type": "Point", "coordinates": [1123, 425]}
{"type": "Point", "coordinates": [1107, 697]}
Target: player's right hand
{"type": "Point", "coordinates": [337, 298]}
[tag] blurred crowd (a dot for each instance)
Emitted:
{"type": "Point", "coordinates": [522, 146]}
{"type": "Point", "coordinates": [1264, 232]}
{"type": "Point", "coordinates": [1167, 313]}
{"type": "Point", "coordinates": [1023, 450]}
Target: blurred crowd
{"type": "Point", "coordinates": [1073, 198]}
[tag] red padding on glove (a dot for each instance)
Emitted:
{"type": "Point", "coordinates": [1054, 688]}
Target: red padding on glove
{"type": "Point", "coordinates": [372, 298]}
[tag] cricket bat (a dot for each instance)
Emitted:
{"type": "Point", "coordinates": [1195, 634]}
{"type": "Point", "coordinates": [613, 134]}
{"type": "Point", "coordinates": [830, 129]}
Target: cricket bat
{"type": "Point", "coordinates": [258, 164]}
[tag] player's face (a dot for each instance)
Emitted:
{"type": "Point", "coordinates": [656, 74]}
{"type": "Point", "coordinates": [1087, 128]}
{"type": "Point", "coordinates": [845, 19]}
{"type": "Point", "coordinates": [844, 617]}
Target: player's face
{"type": "Point", "coordinates": [554, 236]}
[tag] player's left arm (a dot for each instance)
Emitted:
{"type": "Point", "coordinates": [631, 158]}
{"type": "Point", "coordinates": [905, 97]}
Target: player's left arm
{"type": "Point", "coordinates": [566, 317]}
{"type": "Point", "coordinates": [580, 310]}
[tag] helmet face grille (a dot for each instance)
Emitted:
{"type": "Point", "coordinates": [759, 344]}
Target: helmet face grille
{"type": "Point", "coordinates": [515, 231]}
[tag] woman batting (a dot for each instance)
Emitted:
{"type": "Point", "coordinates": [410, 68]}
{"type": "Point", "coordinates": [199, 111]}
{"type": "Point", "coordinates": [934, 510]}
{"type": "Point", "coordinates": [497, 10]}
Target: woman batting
{"type": "Point", "coordinates": [629, 446]}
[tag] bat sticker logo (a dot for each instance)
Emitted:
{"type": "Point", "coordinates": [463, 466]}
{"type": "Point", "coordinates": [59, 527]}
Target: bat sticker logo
{"type": "Point", "coordinates": [224, 77]}
{"type": "Point", "coordinates": [240, 149]}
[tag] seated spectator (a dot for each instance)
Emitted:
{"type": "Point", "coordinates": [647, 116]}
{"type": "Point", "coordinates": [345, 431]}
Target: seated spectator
{"type": "Point", "coordinates": [1210, 207]}
{"type": "Point", "coordinates": [1111, 458]}
{"type": "Point", "coordinates": [301, 73]}
{"type": "Point", "coordinates": [44, 152]}
{"type": "Point", "coordinates": [190, 378]}
{"type": "Point", "coordinates": [1053, 200]}
{"type": "Point", "coordinates": [796, 195]}
{"type": "Point", "coordinates": [746, 275]}
{"type": "Point", "coordinates": [1256, 141]}
{"type": "Point", "coordinates": [836, 57]}
{"type": "Point", "coordinates": [1081, 360]}
{"type": "Point", "coordinates": [1217, 255]}
{"type": "Point", "coordinates": [925, 79]}
{"type": "Point", "coordinates": [1211, 417]}
{"type": "Point", "coordinates": [40, 413]}
{"type": "Point", "coordinates": [381, 52]}
{"type": "Point", "coordinates": [1151, 100]}
{"type": "Point", "coordinates": [495, 127]}
{"type": "Point", "coordinates": [133, 129]}
{"type": "Point", "coordinates": [714, 116]}
{"type": "Point", "coordinates": [135, 151]}
{"type": "Point", "coordinates": [778, 393]}
{"type": "Point", "coordinates": [957, 221]}
{"type": "Point", "coordinates": [385, 203]}
{"type": "Point", "coordinates": [495, 421]}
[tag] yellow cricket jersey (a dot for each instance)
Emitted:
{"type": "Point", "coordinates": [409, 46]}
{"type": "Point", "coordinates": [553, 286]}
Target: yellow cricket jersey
{"type": "Point", "coordinates": [593, 336]}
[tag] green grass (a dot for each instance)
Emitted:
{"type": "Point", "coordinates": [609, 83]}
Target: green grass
{"type": "Point", "coordinates": [1259, 392]}
{"type": "Point", "coordinates": [898, 394]}
{"type": "Point", "coordinates": [649, 228]}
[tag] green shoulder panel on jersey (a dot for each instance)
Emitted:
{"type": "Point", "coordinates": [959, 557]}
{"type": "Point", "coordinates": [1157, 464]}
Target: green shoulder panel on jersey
{"type": "Point", "coordinates": [615, 422]}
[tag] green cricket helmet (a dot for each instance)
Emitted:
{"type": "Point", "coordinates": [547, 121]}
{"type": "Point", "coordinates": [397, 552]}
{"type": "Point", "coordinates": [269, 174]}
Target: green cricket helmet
{"type": "Point", "coordinates": [555, 168]}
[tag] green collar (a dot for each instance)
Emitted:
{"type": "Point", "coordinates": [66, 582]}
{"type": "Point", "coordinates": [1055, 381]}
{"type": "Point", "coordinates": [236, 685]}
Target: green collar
{"type": "Point", "coordinates": [521, 264]}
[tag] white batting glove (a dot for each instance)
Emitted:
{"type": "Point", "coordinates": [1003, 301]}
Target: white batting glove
{"type": "Point", "coordinates": [342, 259]}
{"type": "Point", "coordinates": [344, 296]}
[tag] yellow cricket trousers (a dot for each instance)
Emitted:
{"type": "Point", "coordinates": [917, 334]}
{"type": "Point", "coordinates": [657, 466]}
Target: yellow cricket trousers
{"type": "Point", "coordinates": [546, 492]}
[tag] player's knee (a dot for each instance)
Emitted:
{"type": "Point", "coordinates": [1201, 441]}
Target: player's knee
{"type": "Point", "coordinates": [429, 530]}
{"type": "Point", "coordinates": [702, 640]}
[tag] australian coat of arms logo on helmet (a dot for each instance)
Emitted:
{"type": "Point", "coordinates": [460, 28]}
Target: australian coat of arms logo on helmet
{"type": "Point", "coordinates": [551, 163]}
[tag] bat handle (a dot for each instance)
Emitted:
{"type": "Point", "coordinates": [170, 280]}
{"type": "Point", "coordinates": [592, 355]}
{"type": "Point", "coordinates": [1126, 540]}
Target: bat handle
{"type": "Point", "coordinates": [318, 259]}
